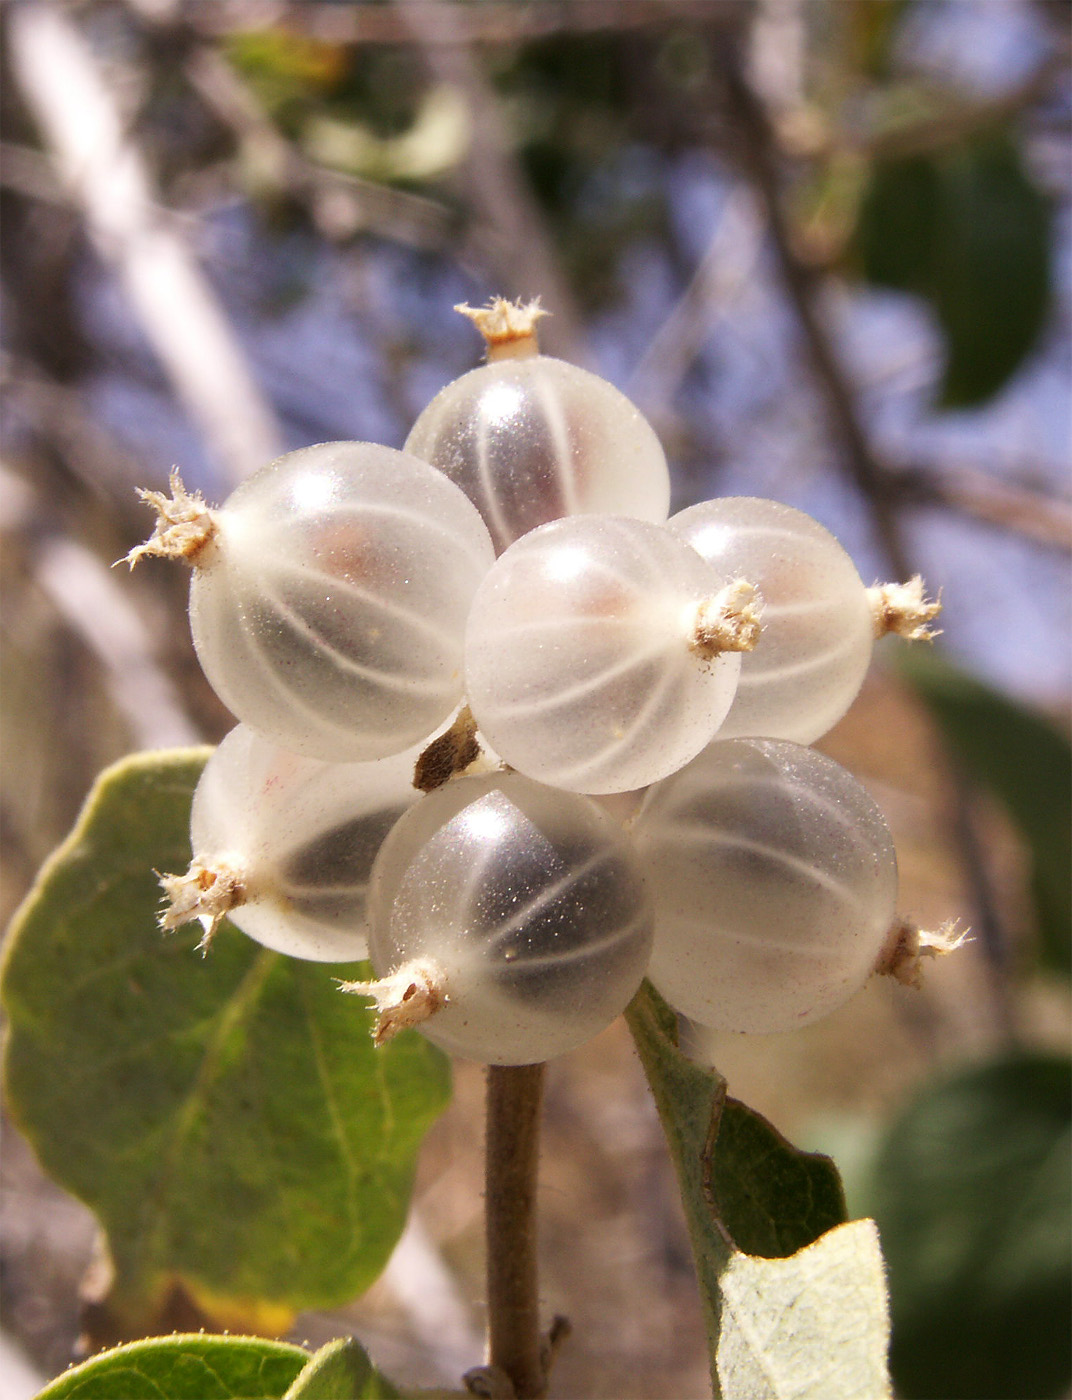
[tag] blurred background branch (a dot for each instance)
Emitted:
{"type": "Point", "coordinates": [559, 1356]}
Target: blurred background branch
{"type": "Point", "coordinates": [100, 166]}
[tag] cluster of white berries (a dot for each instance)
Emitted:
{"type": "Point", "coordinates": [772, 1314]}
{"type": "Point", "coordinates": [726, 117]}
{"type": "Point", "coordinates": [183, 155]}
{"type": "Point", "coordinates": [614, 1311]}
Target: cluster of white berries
{"type": "Point", "coordinates": [621, 787]}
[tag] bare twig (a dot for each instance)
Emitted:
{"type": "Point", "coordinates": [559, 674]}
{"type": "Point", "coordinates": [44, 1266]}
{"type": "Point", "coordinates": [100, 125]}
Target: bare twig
{"type": "Point", "coordinates": [946, 128]}
{"type": "Point", "coordinates": [724, 270]}
{"type": "Point", "coordinates": [514, 1099]}
{"type": "Point", "coordinates": [759, 154]}
{"type": "Point", "coordinates": [92, 603]}
{"type": "Point", "coordinates": [1045, 519]}
{"type": "Point", "coordinates": [97, 162]}
{"type": "Point", "coordinates": [89, 599]}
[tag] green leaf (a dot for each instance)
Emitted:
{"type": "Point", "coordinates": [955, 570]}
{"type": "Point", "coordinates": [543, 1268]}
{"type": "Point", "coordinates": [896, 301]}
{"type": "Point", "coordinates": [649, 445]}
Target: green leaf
{"type": "Point", "coordinates": [194, 1367]}
{"type": "Point", "coordinates": [810, 1327]}
{"type": "Point", "coordinates": [341, 1371]}
{"type": "Point", "coordinates": [206, 1367]}
{"type": "Point", "coordinates": [967, 229]}
{"type": "Point", "coordinates": [743, 1186]}
{"type": "Point", "coordinates": [992, 288]}
{"type": "Point", "coordinates": [227, 1118]}
{"type": "Point", "coordinates": [773, 1198]}
{"type": "Point", "coordinates": [1026, 763]}
{"type": "Point", "coordinates": [971, 1190]}
{"type": "Point", "coordinates": [897, 232]}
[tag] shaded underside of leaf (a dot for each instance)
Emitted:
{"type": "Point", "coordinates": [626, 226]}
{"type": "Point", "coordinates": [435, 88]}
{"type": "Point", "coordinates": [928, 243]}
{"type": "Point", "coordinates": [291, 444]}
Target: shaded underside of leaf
{"type": "Point", "coordinates": [972, 1191]}
{"type": "Point", "coordinates": [1026, 763]}
{"type": "Point", "coordinates": [227, 1118]}
{"type": "Point", "coordinates": [193, 1367]}
{"type": "Point", "coordinates": [773, 1198]}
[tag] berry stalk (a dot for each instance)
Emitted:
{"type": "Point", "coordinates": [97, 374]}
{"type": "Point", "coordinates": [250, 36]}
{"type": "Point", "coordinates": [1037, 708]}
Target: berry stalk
{"type": "Point", "coordinates": [513, 1105]}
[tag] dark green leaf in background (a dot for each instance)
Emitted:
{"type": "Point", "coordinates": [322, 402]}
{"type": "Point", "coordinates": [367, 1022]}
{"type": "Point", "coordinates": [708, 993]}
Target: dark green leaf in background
{"type": "Point", "coordinates": [1025, 762]}
{"type": "Point", "coordinates": [898, 227]}
{"type": "Point", "coordinates": [969, 230]}
{"type": "Point", "coordinates": [227, 1118]}
{"type": "Point", "coordinates": [971, 1190]}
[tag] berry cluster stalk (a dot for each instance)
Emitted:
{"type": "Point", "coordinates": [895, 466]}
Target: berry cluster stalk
{"type": "Point", "coordinates": [513, 1106]}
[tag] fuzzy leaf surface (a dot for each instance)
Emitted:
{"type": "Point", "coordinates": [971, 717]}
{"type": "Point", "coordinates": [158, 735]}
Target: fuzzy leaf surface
{"type": "Point", "coordinates": [227, 1118]}
{"type": "Point", "coordinates": [808, 1327]}
{"type": "Point", "coordinates": [341, 1371]}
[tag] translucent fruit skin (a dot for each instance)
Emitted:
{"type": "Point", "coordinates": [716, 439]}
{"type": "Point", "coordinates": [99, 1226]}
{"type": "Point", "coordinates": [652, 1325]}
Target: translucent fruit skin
{"type": "Point", "coordinates": [817, 631]}
{"type": "Point", "coordinates": [328, 612]}
{"type": "Point", "coordinates": [304, 835]}
{"type": "Point", "coordinates": [774, 880]}
{"type": "Point", "coordinates": [531, 904]}
{"type": "Point", "coordinates": [577, 659]}
{"type": "Point", "coordinates": [532, 440]}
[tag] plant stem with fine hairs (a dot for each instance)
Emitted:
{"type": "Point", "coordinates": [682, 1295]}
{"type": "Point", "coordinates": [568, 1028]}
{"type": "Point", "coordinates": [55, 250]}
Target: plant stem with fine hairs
{"type": "Point", "coordinates": [514, 1101]}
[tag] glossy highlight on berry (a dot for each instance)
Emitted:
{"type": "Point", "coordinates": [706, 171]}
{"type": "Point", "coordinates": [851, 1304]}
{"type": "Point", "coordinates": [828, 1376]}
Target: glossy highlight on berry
{"type": "Point", "coordinates": [578, 655]}
{"type": "Point", "coordinates": [535, 439]}
{"type": "Point", "coordinates": [530, 904]}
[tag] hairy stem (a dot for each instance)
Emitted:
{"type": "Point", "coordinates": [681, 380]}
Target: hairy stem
{"type": "Point", "coordinates": [514, 1100]}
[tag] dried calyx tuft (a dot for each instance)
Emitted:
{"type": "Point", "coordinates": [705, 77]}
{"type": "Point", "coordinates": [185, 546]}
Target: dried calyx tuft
{"type": "Point", "coordinates": [449, 755]}
{"type": "Point", "coordinates": [904, 608]}
{"type": "Point", "coordinates": [207, 892]}
{"type": "Point", "coordinates": [508, 327]}
{"type": "Point", "coordinates": [730, 621]}
{"type": "Point", "coordinates": [907, 945]}
{"type": "Point", "coordinates": [404, 999]}
{"type": "Point", "coordinates": [184, 524]}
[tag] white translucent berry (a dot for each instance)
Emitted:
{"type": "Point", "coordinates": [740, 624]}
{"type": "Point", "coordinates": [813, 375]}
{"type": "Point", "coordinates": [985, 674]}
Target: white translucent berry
{"type": "Point", "coordinates": [585, 659]}
{"type": "Point", "coordinates": [774, 881]}
{"type": "Point", "coordinates": [526, 908]}
{"type": "Point", "coordinates": [328, 605]}
{"type": "Point", "coordinates": [817, 617]}
{"type": "Point", "coordinates": [530, 440]}
{"type": "Point", "coordinates": [292, 840]}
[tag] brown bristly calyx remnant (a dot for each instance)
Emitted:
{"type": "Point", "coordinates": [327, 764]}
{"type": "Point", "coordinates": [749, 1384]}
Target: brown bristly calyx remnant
{"type": "Point", "coordinates": [508, 327]}
{"type": "Point", "coordinates": [184, 524]}
{"type": "Point", "coordinates": [448, 755]}
{"type": "Point", "coordinates": [207, 892]}
{"type": "Point", "coordinates": [730, 621]}
{"type": "Point", "coordinates": [905, 609]}
{"type": "Point", "coordinates": [907, 945]}
{"type": "Point", "coordinates": [404, 998]}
